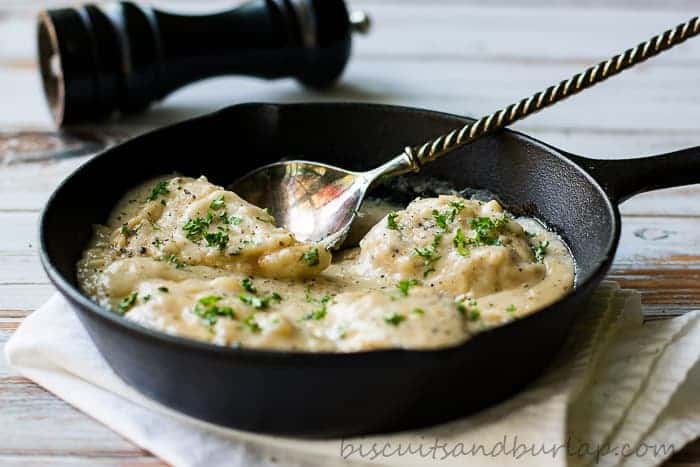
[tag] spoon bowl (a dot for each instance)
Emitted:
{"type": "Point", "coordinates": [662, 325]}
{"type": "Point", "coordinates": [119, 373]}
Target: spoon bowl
{"type": "Point", "coordinates": [316, 202]}
{"type": "Point", "coordinates": [307, 198]}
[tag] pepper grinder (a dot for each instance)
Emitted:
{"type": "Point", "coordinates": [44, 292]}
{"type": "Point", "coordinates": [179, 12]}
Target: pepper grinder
{"type": "Point", "coordinates": [121, 57]}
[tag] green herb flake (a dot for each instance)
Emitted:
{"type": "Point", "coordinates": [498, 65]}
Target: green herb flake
{"type": "Point", "coordinates": [310, 257]}
{"type": "Point", "coordinates": [127, 302]}
{"type": "Point", "coordinates": [540, 250]}
{"type": "Point", "coordinates": [163, 289]}
{"type": "Point", "coordinates": [247, 284]}
{"type": "Point", "coordinates": [391, 221]}
{"type": "Point", "coordinates": [218, 203]}
{"type": "Point", "coordinates": [460, 242]}
{"type": "Point", "coordinates": [429, 258]}
{"type": "Point", "coordinates": [487, 230]}
{"type": "Point", "coordinates": [405, 285]}
{"type": "Point", "coordinates": [251, 324]}
{"type": "Point", "coordinates": [511, 308]}
{"type": "Point", "coordinates": [217, 239]}
{"type": "Point", "coordinates": [229, 220]}
{"type": "Point", "coordinates": [173, 259]}
{"type": "Point", "coordinates": [126, 231]}
{"type": "Point", "coordinates": [418, 311]}
{"type": "Point", "coordinates": [196, 228]}
{"type": "Point", "coordinates": [461, 307]}
{"type": "Point", "coordinates": [457, 207]}
{"type": "Point", "coordinates": [207, 309]}
{"type": "Point", "coordinates": [161, 188]}
{"type": "Point", "coordinates": [146, 297]}
{"type": "Point", "coordinates": [440, 219]}
{"type": "Point", "coordinates": [394, 319]}
{"type": "Point", "coordinates": [260, 303]}
{"type": "Point", "coordinates": [469, 310]}
{"type": "Point", "coordinates": [315, 315]}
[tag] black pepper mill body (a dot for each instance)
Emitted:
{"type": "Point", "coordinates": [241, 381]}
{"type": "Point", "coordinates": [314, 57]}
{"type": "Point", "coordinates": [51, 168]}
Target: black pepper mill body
{"type": "Point", "coordinates": [96, 60]}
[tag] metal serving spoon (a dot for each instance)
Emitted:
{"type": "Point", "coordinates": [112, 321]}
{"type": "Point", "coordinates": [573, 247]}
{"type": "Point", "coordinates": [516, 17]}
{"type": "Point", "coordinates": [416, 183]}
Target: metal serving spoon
{"type": "Point", "coordinates": [318, 202]}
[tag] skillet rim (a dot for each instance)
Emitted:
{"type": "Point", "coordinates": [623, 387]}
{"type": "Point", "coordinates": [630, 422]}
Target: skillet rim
{"type": "Point", "coordinates": [74, 296]}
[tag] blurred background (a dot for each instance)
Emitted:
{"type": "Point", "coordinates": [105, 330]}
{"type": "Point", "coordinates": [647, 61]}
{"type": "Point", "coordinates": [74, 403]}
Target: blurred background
{"type": "Point", "coordinates": [462, 56]}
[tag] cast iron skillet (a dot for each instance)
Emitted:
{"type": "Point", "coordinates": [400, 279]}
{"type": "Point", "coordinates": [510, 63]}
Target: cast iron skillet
{"type": "Point", "coordinates": [326, 394]}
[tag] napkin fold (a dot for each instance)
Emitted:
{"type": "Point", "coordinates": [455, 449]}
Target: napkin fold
{"type": "Point", "coordinates": [621, 392]}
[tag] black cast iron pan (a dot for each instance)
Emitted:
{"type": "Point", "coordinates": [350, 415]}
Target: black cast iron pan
{"type": "Point", "coordinates": [325, 394]}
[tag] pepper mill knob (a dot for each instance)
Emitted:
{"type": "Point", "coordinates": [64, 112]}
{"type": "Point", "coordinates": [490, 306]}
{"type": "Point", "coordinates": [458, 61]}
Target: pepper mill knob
{"type": "Point", "coordinates": [97, 60]}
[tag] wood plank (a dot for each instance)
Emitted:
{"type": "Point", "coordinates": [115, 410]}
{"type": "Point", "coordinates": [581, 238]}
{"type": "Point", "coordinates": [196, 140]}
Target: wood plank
{"type": "Point", "coordinates": [78, 459]}
{"type": "Point", "coordinates": [521, 42]}
{"type": "Point", "coordinates": [653, 98]}
{"type": "Point", "coordinates": [27, 405]}
{"type": "Point", "coordinates": [57, 429]}
{"type": "Point", "coordinates": [24, 297]}
{"type": "Point", "coordinates": [467, 31]}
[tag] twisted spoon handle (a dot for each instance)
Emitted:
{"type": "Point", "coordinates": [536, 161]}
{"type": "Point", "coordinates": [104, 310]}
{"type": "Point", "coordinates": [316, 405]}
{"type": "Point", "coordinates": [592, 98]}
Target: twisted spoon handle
{"type": "Point", "coordinates": [445, 143]}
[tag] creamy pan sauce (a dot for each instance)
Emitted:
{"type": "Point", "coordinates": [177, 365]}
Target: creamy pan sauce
{"type": "Point", "coordinates": [188, 258]}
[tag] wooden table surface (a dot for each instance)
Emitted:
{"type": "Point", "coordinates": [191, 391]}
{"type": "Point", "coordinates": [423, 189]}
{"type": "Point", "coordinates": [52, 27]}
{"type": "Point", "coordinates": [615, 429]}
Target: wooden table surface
{"type": "Point", "coordinates": [465, 57]}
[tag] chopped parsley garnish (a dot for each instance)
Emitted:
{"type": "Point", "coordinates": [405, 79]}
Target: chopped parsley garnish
{"type": "Point", "coordinates": [172, 259]}
{"type": "Point", "coordinates": [540, 250]}
{"type": "Point", "coordinates": [247, 284]}
{"type": "Point", "coordinates": [217, 239]}
{"type": "Point", "coordinates": [163, 289]}
{"type": "Point", "coordinates": [260, 303]}
{"type": "Point", "coordinates": [469, 310]}
{"type": "Point", "coordinates": [511, 308]}
{"type": "Point", "coordinates": [127, 302]}
{"type": "Point", "coordinates": [157, 242]}
{"type": "Point", "coordinates": [394, 319]}
{"type": "Point", "coordinates": [460, 242]}
{"type": "Point", "coordinates": [316, 315]}
{"type": "Point", "coordinates": [440, 219]}
{"type": "Point", "coordinates": [437, 238]}
{"type": "Point", "coordinates": [424, 252]}
{"type": "Point", "coordinates": [457, 207]}
{"type": "Point", "coordinates": [218, 203]}
{"type": "Point", "coordinates": [207, 309]}
{"type": "Point", "coordinates": [161, 188]}
{"type": "Point", "coordinates": [418, 311]}
{"type": "Point", "coordinates": [405, 285]}
{"type": "Point", "coordinates": [126, 231]}
{"type": "Point", "coordinates": [251, 324]}
{"type": "Point", "coordinates": [429, 258]}
{"type": "Point", "coordinates": [391, 221]}
{"type": "Point", "coordinates": [310, 257]}
{"type": "Point", "coordinates": [310, 298]}
{"type": "Point", "coordinates": [197, 227]}
{"type": "Point", "coordinates": [487, 230]}
{"type": "Point", "coordinates": [146, 297]}
{"type": "Point", "coordinates": [229, 220]}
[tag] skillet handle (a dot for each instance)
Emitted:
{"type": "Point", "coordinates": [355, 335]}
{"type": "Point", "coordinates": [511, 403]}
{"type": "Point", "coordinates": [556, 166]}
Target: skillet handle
{"type": "Point", "coordinates": [623, 178]}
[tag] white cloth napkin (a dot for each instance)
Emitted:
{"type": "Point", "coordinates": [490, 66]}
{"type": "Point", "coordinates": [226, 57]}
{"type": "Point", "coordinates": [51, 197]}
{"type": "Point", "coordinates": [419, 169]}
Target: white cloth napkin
{"type": "Point", "coordinates": [620, 393]}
